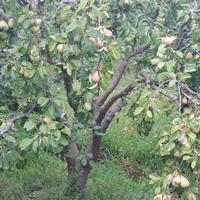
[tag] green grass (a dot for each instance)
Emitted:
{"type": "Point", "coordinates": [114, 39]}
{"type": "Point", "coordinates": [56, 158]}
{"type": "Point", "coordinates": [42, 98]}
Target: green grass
{"type": "Point", "coordinates": [46, 178]}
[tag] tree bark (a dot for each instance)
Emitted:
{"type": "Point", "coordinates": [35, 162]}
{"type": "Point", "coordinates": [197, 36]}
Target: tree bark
{"type": "Point", "coordinates": [93, 148]}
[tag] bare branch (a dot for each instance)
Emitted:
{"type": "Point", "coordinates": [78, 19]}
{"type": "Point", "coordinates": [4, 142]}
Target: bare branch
{"type": "Point", "coordinates": [6, 127]}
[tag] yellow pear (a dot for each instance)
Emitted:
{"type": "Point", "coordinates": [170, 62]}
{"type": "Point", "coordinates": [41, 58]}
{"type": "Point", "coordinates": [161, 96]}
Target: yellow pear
{"type": "Point", "coordinates": [184, 182]}
{"type": "Point", "coordinates": [97, 41]}
{"type": "Point", "coordinates": [10, 23]}
{"type": "Point", "coordinates": [176, 181]}
{"type": "Point", "coordinates": [166, 197]}
{"type": "Point", "coordinates": [21, 70]}
{"type": "Point", "coordinates": [47, 120]}
{"type": "Point", "coordinates": [169, 178]}
{"type": "Point", "coordinates": [3, 25]}
{"type": "Point", "coordinates": [184, 101]}
{"type": "Point", "coordinates": [158, 197]}
{"type": "Point", "coordinates": [186, 142]}
{"type": "Point", "coordinates": [189, 56]}
{"type": "Point", "coordinates": [60, 48]}
{"type": "Point", "coordinates": [95, 77]}
{"type": "Point", "coordinates": [26, 73]}
{"type": "Point", "coordinates": [106, 32]}
{"type": "Point", "coordinates": [168, 40]}
{"type": "Point", "coordinates": [38, 22]}
{"type": "Point", "coordinates": [191, 196]}
{"type": "Point", "coordinates": [35, 29]}
{"type": "Point", "coordinates": [88, 106]}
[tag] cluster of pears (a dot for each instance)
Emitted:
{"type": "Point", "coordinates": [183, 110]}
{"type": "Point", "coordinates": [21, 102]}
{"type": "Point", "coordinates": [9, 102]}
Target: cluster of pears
{"type": "Point", "coordinates": [35, 25]}
{"type": "Point", "coordinates": [24, 71]}
{"type": "Point", "coordinates": [163, 196]}
{"type": "Point", "coordinates": [5, 25]}
{"type": "Point", "coordinates": [97, 41]}
{"type": "Point", "coordinates": [35, 55]}
{"type": "Point", "coordinates": [178, 180]}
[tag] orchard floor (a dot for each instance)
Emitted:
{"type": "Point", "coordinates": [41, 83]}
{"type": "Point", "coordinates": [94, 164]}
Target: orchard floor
{"type": "Point", "coordinates": [125, 161]}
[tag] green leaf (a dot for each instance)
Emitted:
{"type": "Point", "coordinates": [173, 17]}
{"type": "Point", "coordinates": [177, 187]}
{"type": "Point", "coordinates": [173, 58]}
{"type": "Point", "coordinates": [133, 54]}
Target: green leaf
{"type": "Point", "coordinates": [179, 53]}
{"type": "Point", "coordinates": [29, 125]}
{"type": "Point", "coordinates": [84, 162]}
{"type": "Point", "coordinates": [149, 114]}
{"type": "Point", "coordinates": [138, 110]}
{"type": "Point", "coordinates": [10, 138]}
{"type": "Point", "coordinates": [66, 131]}
{"type": "Point", "coordinates": [43, 101]}
{"type": "Point", "coordinates": [35, 146]}
{"type": "Point", "coordinates": [25, 143]}
{"type": "Point", "coordinates": [189, 69]}
{"type": "Point", "coordinates": [115, 53]}
{"type": "Point", "coordinates": [193, 164]}
{"type": "Point", "coordinates": [160, 65]}
{"type": "Point", "coordinates": [187, 157]}
{"type": "Point", "coordinates": [155, 61]}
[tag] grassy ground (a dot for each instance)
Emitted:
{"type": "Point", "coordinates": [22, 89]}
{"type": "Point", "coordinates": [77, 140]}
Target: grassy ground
{"type": "Point", "coordinates": [121, 174]}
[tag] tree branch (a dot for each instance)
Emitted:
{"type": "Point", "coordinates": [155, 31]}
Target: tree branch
{"type": "Point", "coordinates": [34, 4]}
{"type": "Point", "coordinates": [118, 75]}
{"type": "Point", "coordinates": [182, 34]}
{"type": "Point", "coordinates": [103, 109]}
{"type": "Point", "coordinates": [154, 86]}
{"type": "Point", "coordinates": [6, 127]}
{"type": "Point", "coordinates": [68, 85]}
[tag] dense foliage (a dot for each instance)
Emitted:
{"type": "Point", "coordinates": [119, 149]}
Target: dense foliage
{"type": "Point", "coordinates": [68, 67]}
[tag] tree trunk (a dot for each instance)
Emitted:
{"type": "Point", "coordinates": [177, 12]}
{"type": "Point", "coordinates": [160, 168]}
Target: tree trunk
{"type": "Point", "coordinates": [93, 148]}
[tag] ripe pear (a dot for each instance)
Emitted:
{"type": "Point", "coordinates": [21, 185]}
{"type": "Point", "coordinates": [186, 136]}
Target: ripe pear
{"type": "Point", "coordinates": [176, 181]}
{"type": "Point", "coordinates": [60, 48]}
{"type": "Point", "coordinates": [21, 71]}
{"type": "Point", "coordinates": [95, 77]}
{"type": "Point", "coordinates": [168, 40]}
{"type": "Point", "coordinates": [47, 120]}
{"type": "Point", "coordinates": [191, 196]}
{"type": "Point", "coordinates": [26, 73]}
{"type": "Point", "coordinates": [3, 25]}
{"type": "Point", "coordinates": [184, 101]}
{"type": "Point", "coordinates": [106, 32]}
{"type": "Point", "coordinates": [38, 22]}
{"type": "Point", "coordinates": [35, 58]}
{"type": "Point", "coordinates": [186, 142]}
{"type": "Point", "coordinates": [35, 29]}
{"type": "Point", "coordinates": [88, 106]}
{"type": "Point", "coordinates": [97, 41]}
{"type": "Point", "coordinates": [158, 197]}
{"type": "Point", "coordinates": [184, 182]}
{"type": "Point", "coordinates": [31, 13]}
{"type": "Point", "coordinates": [177, 154]}
{"type": "Point", "coordinates": [125, 2]}
{"type": "Point", "coordinates": [169, 178]}
{"type": "Point", "coordinates": [189, 56]}
{"type": "Point", "coordinates": [10, 23]}
{"type": "Point", "coordinates": [166, 197]}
